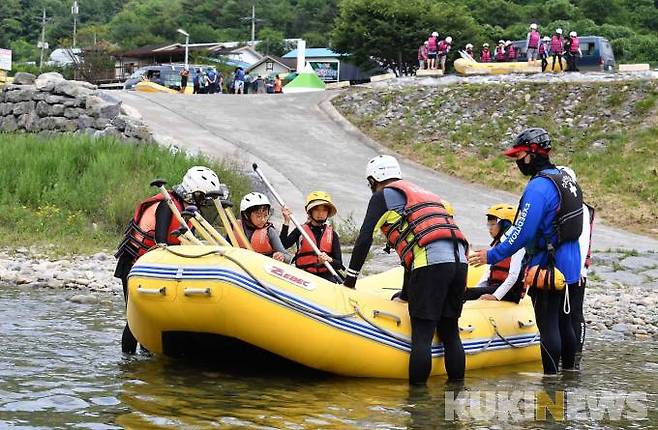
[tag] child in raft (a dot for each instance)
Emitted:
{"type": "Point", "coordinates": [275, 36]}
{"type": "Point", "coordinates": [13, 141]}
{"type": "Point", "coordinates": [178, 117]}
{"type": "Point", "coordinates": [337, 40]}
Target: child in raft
{"type": "Point", "coordinates": [255, 211]}
{"type": "Point", "coordinates": [319, 209]}
{"type": "Point", "coordinates": [504, 280]}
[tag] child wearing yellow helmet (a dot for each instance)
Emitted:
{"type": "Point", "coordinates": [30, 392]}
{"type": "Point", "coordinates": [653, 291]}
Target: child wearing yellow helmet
{"type": "Point", "coordinates": [319, 208]}
{"type": "Point", "coordinates": [504, 280]}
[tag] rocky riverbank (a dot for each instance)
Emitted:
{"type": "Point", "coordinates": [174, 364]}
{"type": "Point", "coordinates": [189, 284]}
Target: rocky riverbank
{"type": "Point", "coordinates": [622, 292]}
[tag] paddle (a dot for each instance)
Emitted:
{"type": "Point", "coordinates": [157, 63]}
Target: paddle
{"type": "Point", "coordinates": [216, 236]}
{"type": "Point", "coordinates": [278, 198]}
{"type": "Point", "coordinates": [187, 234]}
{"type": "Point", "coordinates": [188, 215]}
{"type": "Point", "coordinates": [230, 224]}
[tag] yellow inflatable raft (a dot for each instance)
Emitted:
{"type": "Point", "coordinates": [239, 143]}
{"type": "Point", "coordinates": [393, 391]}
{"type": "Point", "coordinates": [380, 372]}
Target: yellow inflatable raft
{"type": "Point", "coordinates": [152, 87]}
{"type": "Point", "coordinates": [239, 294]}
{"type": "Point", "coordinates": [467, 67]}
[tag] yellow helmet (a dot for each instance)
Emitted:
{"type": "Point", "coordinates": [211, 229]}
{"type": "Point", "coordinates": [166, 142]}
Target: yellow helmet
{"type": "Point", "coordinates": [446, 204]}
{"type": "Point", "coordinates": [502, 211]}
{"type": "Point", "coordinates": [319, 198]}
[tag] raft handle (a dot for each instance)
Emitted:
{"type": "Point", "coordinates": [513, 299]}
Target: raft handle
{"type": "Point", "coordinates": [523, 324]}
{"type": "Point", "coordinates": [383, 314]}
{"type": "Point", "coordinates": [162, 291]}
{"type": "Point", "coordinates": [469, 329]}
{"type": "Point", "coordinates": [197, 292]}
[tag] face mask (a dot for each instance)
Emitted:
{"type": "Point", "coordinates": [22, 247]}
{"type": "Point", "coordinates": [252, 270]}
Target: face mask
{"type": "Point", "coordinates": [526, 169]}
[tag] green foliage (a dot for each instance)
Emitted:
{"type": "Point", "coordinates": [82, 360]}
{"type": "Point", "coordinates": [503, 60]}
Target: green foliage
{"type": "Point", "coordinates": [79, 193]}
{"type": "Point", "coordinates": [271, 42]}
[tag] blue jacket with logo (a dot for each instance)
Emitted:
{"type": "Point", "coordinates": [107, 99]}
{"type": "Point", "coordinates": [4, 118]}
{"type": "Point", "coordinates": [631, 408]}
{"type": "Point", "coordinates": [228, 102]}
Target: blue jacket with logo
{"type": "Point", "coordinates": [538, 207]}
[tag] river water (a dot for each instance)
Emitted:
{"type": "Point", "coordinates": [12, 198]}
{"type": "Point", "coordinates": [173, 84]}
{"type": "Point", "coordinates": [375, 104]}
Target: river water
{"type": "Point", "coordinates": [61, 367]}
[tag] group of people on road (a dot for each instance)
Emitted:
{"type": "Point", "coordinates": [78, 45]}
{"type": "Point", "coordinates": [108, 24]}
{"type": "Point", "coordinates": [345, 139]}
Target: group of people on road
{"type": "Point", "coordinates": [541, 247]}
{"type": "Point", "coordinates": [432, 53]}
{"type": "Point", "coordinates": [211, 81]}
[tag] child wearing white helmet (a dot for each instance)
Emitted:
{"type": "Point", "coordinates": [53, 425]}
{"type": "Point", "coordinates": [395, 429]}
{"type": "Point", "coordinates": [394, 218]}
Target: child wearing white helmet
{"type": "Point", "coordinates": [469, 49]}
{"type": "Point", "coordinates": [255, 212]}
{"type": "Point", "coordinates": [572, 48]}
{"type": "Point", "coordinates": [485, 54]}
{"type": "Point", "coordinates": [444, 48]}
{"type": "Point", "coordinates": [557, 48]}
{"type": "Point", "coordinates": [154, 223]}
{"type": "Point", "coordinates": [532, 43]}
{"type": "Point", "coordinates": [543, 52]}
{"type": "Point", "coordinates": [500, 51]}
{"type": "Point", "coordinates": [319, 208]}
{"type": "Point", "coordinates": [422, 55]}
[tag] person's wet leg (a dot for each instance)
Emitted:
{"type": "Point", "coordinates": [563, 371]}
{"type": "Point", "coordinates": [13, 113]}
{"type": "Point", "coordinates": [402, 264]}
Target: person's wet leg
{"type": "Point", "coordinates": [420, 359]}
{"type": "Point", "coordinates": [567, 335]}
{"type": "Point", "coordinates": [547, 316]}
{"type": "Point", "coordinates": [455, 358]}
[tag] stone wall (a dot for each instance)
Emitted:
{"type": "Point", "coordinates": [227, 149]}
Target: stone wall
{"type": "Point", "coordinates": [52, 104]}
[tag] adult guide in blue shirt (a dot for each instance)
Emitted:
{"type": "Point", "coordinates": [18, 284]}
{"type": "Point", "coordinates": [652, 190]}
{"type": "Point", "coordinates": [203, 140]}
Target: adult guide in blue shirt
{"type": "Point", "coordinates": [537, 210]}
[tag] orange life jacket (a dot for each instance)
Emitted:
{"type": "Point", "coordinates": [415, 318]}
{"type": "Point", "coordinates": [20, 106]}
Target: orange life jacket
{"type": "Point", "coordinates": [140, 234]}
{"type": "Point", "coordinates": [305, 258]}
{"type": "Point", "coordinates": [423, 220]}
{"type": "Point", "coordinates": [259, 240]}
{"type": "Point", "coordinates": [499, 271]}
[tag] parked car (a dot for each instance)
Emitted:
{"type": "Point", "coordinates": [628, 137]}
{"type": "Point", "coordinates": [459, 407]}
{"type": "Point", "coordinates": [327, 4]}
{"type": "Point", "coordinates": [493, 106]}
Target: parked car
{"type": "Point", "coordinates": [165, 75]}
{"type": "Point", "coordinates": [597, 53]}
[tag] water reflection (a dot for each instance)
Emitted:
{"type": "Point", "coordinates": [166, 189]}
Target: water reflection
{"type": "Point", "coordinates": [60, 367]}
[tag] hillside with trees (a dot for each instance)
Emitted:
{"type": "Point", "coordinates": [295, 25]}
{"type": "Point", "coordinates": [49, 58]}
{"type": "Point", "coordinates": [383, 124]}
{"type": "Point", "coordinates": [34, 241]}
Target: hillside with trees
{"type": "Point", "coordinates": [386, 29]}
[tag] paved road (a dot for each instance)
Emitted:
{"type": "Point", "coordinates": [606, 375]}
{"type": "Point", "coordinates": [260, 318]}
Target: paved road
{"type": "Point", "coordinates": [303, 144]}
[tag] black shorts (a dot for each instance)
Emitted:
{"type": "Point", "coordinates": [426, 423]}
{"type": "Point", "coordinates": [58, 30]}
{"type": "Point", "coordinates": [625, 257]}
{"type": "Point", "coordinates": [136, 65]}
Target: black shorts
{"type": "Point", "coordinates": [437, 291]}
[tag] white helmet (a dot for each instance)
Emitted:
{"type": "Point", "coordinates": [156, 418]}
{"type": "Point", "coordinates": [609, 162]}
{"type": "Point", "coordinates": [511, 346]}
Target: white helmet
{"type": "Point", "coordinates": [200, 179]}
{"type": "Point", "coordinates": [501, 41]}
{"type": "Point", "coordinates": [573, 34]}
{"type": "Point", "coordinates": [558, 30]}
{"type": "Point", "coordinates": [435, 34]}
{"type": "Point", "coordinates": [508, 43]}
{"type": "Point", "coordinates": [533, 26]}
{"type": "Point", "coordinates": [485, 45]}
{"type": "Point", "coordinates": [569, 171]}
{"type": "Point", "coordinates": [253, 199]}
{"type": "Point", "coordinates": [383, 167]}
{"type": "Point", "coordinates": [546, 39]}
{"type": "Point", "coordinates": [448, 39]}
{"type": "Point", "coordinates": [469, 45]}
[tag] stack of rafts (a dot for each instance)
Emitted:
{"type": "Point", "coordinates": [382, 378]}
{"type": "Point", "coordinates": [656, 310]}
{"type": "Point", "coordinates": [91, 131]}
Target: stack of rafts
{"type": "Point", "coordinates": [307, 81]}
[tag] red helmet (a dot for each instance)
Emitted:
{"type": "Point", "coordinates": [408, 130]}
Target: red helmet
{"type": "Point", "coordinates": [533, 140]}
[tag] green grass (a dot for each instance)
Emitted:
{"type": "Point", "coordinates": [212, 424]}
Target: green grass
{"type": "Point", "coordinates": [78, 194]}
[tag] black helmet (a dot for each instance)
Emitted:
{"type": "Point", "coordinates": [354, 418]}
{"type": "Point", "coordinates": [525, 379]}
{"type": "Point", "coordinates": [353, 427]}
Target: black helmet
{"type": "Point", "coordinates": [534, 140]}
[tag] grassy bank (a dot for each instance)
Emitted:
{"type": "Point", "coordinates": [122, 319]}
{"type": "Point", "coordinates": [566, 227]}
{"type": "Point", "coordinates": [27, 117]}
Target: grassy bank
{"type": "Point", "coordinates": [75, 195]}
{"type": "Point", "coordinates": [605, 131]}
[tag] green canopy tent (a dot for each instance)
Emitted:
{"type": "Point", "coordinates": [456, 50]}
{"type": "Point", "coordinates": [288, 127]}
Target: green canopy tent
{"type": "Point", "coordinates": [306, 81]}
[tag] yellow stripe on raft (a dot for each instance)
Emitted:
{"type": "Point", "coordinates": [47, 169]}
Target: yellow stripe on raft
{"type": "Point", "coordinates": [212, 294]}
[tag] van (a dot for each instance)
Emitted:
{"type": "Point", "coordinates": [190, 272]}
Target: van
{"type": "Point", "coordinates": [597, 54]}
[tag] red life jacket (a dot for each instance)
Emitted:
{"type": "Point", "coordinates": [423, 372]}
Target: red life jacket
{"type": "Point", "coordinates": [431, 44]}
{"type": "Point", "coordinates": [424, 218]}
{"type": "Point", "coordinates": [443, 47]}
{"type": "Point", "coordinates": [533, 39]}
{"type": "Point", "coordinates": [485, 56]}
{"type": "Point", "coordinates": [500, 53]}
{"type": "Point", "coordinates": [511, 53]}
{"type": "Point", "coordinates": [305, 258]}
{"type": "Point", "coordinates": [141, 230]}
{"type": "Point", "coordinates": [259, 240]}
{"type": "Point", "coordinates": [556, 44]}
{"type": "Point", "coordinates": [542, 49]}
{"type": "Point", "coordinates": [470, 52]}
{"type": "Point", "coordinates": [575, 45]}
{"type": "Point", "coordinates": [422, 52]}
{"type": "Point", "coordinates": [499, 271]}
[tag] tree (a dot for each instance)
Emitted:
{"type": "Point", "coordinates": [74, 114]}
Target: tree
{"type": "Point", "coordinates": [271, 42]}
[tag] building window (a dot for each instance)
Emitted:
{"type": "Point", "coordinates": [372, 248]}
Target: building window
{"type": "Point", "coordinates": [269, 66]}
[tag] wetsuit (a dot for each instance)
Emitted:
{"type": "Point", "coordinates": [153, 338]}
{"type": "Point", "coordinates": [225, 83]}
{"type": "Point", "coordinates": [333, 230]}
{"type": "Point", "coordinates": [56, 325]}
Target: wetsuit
{"type": "Point", "coordinates": [537, 210]}
{"type": "Point", "coordinates": [577, 295]}
{"type": "Point", "coordinates": [434, 288]}
{"type": "Point", "coordinates": [291, 239]}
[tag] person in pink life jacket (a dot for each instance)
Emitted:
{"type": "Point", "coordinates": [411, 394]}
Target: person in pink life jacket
{"type": "Point", "coordinates": [557, 48]}
{"type": "Point", "coordinates": [500, 51]}
{"type": "Point", "coordinates": [422, 56]}
{"type": "Point", "coordinates": [444, 48]}
{"type": "Point", "coordinates": [469, 50]}
{"type": "Point", "coordinates": [532, 43]}
{"type": "Point", "coordinates": [573, 52]}
{"type": "Point", "coordinates": [485, 55]}
{"type": "Point", "coordinates": [432, 47]}
{"type": "Point", "coordinates": [511, 51]}
{"type": "Point", "coordinates": [543, 52]}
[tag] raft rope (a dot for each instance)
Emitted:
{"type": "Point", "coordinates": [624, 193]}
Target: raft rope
{"type": "Point", "coordinates": [262, 285]}
{"type": "Point", "coordinates": [357, 310]}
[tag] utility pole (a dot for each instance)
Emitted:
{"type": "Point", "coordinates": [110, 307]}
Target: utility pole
{"type": "Point", "coordinates": [42, 44]}
{"type": "Point", "coordinates": [253, 20]}
{"type": "Point", "coordinates": [75, 11]}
